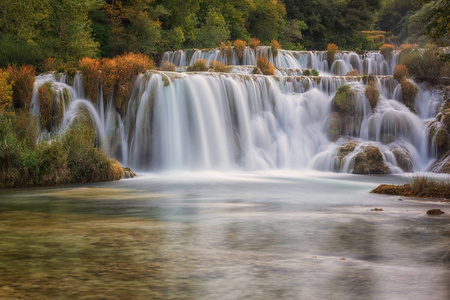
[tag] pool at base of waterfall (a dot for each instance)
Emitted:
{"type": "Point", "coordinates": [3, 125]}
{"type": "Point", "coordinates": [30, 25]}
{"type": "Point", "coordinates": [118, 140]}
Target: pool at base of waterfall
{"type": "Point", "coordinates": [210, 235]}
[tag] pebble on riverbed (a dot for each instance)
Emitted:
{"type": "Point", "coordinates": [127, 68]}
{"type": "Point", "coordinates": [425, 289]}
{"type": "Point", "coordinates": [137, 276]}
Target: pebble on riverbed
{"type": "Point", "coordinates": [435, 211]}
{"type": "Point", "coordinates": [376, 209]}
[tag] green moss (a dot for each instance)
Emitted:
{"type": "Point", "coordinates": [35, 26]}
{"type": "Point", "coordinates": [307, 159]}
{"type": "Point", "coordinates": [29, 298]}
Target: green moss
{"type": "Point", "coordinates": [315, 72]}
{"type": "Point", "coordinates": [344, 99]}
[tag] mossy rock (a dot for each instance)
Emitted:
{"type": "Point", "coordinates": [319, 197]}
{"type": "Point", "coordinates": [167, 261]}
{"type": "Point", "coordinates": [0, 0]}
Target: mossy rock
{"type": "Point", "coordinates": [345, 99]}
{"type": "Point", "coordinates": [346, 149]}
{"type": "Point", "coordinates": [409, 93]}
{"type": "Point", "coordinates": [45, 105]}
{"type": "Point", "coordinates": [373, 95]}
{"type": "Point", "coordinates": [370, 161]}
{"type": "Point", "coordinates": [446, 118]}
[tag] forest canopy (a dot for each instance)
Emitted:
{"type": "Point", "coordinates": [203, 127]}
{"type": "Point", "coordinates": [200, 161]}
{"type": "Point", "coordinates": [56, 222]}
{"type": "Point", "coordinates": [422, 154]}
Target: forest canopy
{"type": "Point", "coordinates": [68, 30]}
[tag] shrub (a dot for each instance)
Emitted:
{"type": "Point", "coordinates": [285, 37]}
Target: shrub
{"type": "Point", "coordinates": [108, 76]}
{"type": "Point", "coordinates": [344, 99]}
{"type": "Point", "coordinates": [400, 72]}
{"type": "Point", "coordinates": [254, 43]}
{"type": "Point", "coordinates": [265, 66]}
{"type": "Point", "coordinates": [373, 95]}
{"type": "Point", "coordinates": [167, 66]}
{"type": "Point", "coordinates": [50, 64]}
{"type": "Point", "coordinates": [408, 48]}
{"type": "Point", "coordinates": [424, 65]}
{"type": "Point", "coordinates": [90, 68]}
{"type": "Point", "coordinates": [386, 50]}
{"type": "Point", "coordinates": [45, 105]}
{"type": "Point", "coordinates": [239, 47]}
{"type": "Point", "coordinates": [369, 79]}
{"type": "Point", "coordinates": [6, 92]}
{"type": "Point", "coordinates": [331, 51]}
{"type": "Point", "coordinates": [306, 72]}
{"type": "Point", "coordinates": [315, 72]}
{"type": "Point", "coordinates": [353, 72]}
{"type": "Point", "coordinates": [217, 66]}
{"type": "Point", "coordinates": [23, 78]}
{"type": "Point", "coordinates": [409, 93]}
{"type": "Point", "coordinates": [199, 65]}
{"type": "Point", "coordinates": [226, 49]}
{"type": "Point", "coordinates": [275, 46]}
{"type": "Point", "coordinates": [127, 68]}
{"type": "Point", "coordinates": [27, 128]}
{"type": "Point", "coordinates": [379, 38]}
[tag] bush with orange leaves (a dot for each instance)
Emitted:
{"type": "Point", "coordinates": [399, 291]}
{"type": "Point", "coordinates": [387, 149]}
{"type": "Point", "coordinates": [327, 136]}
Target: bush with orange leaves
{"type": "Point", "coordinates": [239, 47]}
{"type": "Point", "coordinates": [265, 66]}
{"type": "Point", "coordinates": [400, 72]}
{"type": "Point", "coordinates": [373, 95]}
{"type": "Point", "coordinates": [200, 65]}
{"type": "Point", "coordinates": [108, 76]}
{"type": "Point", "coordinates": [408, 48]}
{"type": "Point", "coordinates": [50, 64]}
{"type": "Point", "coordinates": [275, 46]}
{"type": "Point", "coordinates": [409, 93]}
{"type": "Point", "coordinates": [128, 67]}
{"type": "Point", "coordinates": [379, 38]}
{"type": "Point", "coordinates": [386, 49]}
{"type": "Point", "coordinates": [331, 51]}
{"type": "Point", "coordinates": [23, 78]}
{"type": "Point", "coordinates": [167, 66]}
{"type": "Point", "coordinates": [6, 93]}
{"type": "Point", "coordinates": [90, 68]}
{"type": "Point", "coordinates": [254, 43]}
{"type": "Point", "coordinates": [217, 66]}
{"type": "Point", "coordinates": [226, 49]}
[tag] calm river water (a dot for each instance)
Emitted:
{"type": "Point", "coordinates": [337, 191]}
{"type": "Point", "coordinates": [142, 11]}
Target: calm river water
{"type": "Point", "coordinates": [213, 236]}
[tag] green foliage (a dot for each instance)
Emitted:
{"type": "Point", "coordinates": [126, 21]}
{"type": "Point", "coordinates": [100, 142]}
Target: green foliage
{"type": "Point", "coordinates": [425, 65]}
{"type": "Point", "coordinates": [315, 72]}
{"type": "Point", "coordinates": [213, 31]}
{"type": "Point", "coordinates": [267, 20]}
{"type": "Point", "coordinates": [344, 99]}
{"type": "Point", "coordinates": [67, 159]}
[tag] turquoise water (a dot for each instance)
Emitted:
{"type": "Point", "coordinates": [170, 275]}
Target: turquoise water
{"type": "Point", "coordinates": [269, 235]}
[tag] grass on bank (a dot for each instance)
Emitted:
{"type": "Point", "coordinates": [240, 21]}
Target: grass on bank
{"type": "Point", "coordinates": [70, 158]}
{"type": "Point", "coordinates": [418, 186]}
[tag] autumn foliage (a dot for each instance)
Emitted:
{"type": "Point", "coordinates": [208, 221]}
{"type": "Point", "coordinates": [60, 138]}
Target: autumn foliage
{"type": "Point", "coordinates": [331, 51]}
{"type": "Point", "coordinates": [226, 49]}
{"type": "Point", "coordinates": [90, 68]}
{"type": "Point", "coordinates": [400, 72]}
{"type": "Point", "coordinates": [408, 48]}
{"type": "Point", "coordinates": [217, 66]}
{"type": "Point", "coordinates": [265, 66]}
{"type": "Point", "coordinates": [386, 49]}
{"type": "Point", "coordinates": [239, 47]}
{"type": "Point", "coordinates": [167, 66]}
{"type": "Point", "coordinates": [275, 46]}
{"type": "Point", "coordinates": [254, 43]}
{"type": "Point", "coordinates": [23, 78]}
{"type": "Point", "coordinates": [199, 65]}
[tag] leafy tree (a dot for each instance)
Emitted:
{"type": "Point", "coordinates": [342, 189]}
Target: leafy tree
{"type": "Point", "coordinates": [267, 20]}
{"type": "Point", "coordinates": [215, 30]}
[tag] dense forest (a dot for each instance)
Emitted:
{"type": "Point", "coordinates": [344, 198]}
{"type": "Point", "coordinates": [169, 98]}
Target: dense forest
{"type": "Point", "coordinates": [68, 30]}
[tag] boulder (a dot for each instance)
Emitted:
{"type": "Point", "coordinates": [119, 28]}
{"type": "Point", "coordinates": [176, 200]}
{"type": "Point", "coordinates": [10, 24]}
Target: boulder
{"type": "Point", "coordinates": [403, 157]}
{"type": "Point", "coordinates": [370, 161]}
{"type": "Point", "coordinates": [128, 173]}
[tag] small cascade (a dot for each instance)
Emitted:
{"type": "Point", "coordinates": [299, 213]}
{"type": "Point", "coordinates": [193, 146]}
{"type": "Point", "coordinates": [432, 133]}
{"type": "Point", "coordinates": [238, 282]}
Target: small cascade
{"type": "Point", "coordinates": [371, 62]}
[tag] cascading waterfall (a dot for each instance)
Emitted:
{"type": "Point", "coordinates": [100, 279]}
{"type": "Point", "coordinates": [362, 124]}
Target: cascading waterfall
{"type": "Point", "coordinates": [224, 121]}
{"type": "Point", "coordinates": [371, 62]}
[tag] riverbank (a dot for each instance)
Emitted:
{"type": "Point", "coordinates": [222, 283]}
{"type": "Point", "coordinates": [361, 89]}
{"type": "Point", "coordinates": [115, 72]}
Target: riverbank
{"type": "Point", "coordinates": [419, 186]}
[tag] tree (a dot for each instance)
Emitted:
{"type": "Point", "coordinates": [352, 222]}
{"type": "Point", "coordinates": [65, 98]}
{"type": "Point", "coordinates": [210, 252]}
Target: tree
{"type": "Point", "coordinates": [215, 30]}
{"type": "Point", "coordinates": [267, 20]}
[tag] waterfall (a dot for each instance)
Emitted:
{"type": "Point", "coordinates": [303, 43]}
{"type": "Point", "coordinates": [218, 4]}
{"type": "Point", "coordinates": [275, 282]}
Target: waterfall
{"type": "Point", "coordinates": [371, 62]}
{"type": "Point", "coordinates": [236, 120]}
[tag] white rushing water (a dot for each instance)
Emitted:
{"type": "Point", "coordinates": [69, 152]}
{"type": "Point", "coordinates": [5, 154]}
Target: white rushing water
{"type": "Point", "coordinates": [218, 121]}
{"type": "Point", "coordinates": [372, 62]}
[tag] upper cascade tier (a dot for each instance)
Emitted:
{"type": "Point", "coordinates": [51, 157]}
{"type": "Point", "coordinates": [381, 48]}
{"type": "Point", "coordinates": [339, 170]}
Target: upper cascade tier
{"type": "Point", "coordinates": [371, 62]}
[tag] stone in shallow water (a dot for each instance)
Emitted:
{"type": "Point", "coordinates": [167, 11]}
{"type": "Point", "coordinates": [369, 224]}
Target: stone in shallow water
{"type": "Point", "coordinates": [435, 211]}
